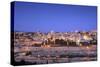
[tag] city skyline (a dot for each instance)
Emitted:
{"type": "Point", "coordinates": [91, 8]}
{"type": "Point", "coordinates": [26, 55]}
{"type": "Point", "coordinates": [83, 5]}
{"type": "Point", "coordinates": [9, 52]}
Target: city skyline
{"type": "Point", "coordinates": [44, 33]}
{"type": "Point", "coordinates": [43, 17]}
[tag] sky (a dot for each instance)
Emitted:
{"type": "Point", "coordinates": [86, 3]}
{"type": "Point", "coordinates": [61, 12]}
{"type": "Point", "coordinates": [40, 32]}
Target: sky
{"type": "Point", "coordinates": [44, 17]}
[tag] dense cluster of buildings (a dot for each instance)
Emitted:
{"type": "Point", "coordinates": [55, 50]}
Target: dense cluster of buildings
{"type": "Point", "coordinates": [51, 47]}
{"type": "Point", "coordinates": [55, 38]}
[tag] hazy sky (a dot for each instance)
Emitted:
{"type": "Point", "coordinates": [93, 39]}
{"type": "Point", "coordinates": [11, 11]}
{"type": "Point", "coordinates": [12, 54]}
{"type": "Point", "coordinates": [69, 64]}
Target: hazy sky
{"type": "Point", "coordinates": [31, 17]}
